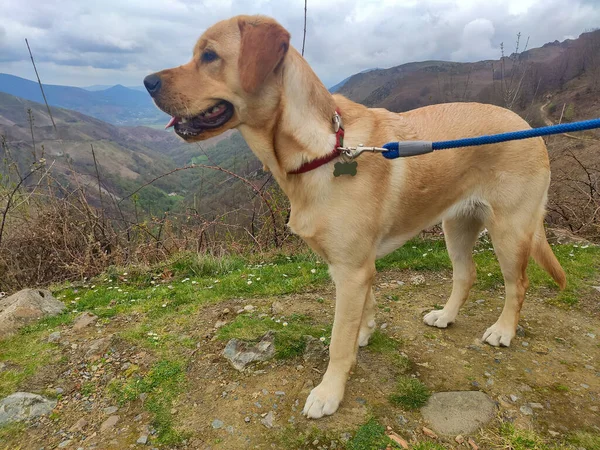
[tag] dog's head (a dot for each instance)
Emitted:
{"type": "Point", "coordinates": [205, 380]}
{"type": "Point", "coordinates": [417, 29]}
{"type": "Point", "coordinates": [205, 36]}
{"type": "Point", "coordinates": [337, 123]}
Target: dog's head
{"type": "Point", "coordinates": [235, 63]}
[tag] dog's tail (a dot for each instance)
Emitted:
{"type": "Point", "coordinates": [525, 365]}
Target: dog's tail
{"type": "Point", "coordinates": [543, 255]}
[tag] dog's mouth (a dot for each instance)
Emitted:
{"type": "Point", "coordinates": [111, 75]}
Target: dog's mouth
{"type": "Point", "coordinates": [209, 119]}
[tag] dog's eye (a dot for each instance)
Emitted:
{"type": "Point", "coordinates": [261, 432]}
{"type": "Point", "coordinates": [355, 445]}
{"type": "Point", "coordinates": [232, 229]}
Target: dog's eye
{"type": "Point", "coordinates": [209, 56]}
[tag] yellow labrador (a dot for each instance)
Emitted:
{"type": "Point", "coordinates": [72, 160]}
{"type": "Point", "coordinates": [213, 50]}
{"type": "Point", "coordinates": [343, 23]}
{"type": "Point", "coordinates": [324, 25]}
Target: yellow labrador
{"type": "Point", "coordinates": [244, 75]}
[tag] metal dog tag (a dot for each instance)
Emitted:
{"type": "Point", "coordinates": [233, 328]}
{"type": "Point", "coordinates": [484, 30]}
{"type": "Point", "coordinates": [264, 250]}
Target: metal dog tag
{"type": "Point", "coordinates": [345, 168]}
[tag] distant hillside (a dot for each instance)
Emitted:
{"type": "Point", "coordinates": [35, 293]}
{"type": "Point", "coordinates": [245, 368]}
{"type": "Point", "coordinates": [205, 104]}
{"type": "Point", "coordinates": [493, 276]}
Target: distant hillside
{"type": "Point", "coordinates": [515, 80]}
{"type": "Point", "coordinates": [102, 87]}
{"type": "Point", "coordinates": [117, 104]}
{"type": "Point", "coordinates": [125, 161]}
{"type": "Point", "coordinates": [338, 86]}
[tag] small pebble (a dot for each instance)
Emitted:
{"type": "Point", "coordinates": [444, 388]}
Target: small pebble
{"type": "Point", "coordinates": [247, 419]}
{"type": "Point", "coordinates": [525, 344]}
{"type": "Point", "coordinates": [585, 386]}
{"type": "Point", "coordinates": [526, 410]}
{"type": "Point", "coordinates": [64, 444]}
{"type": "Point", "coordinates": [536, 405]}
{"type": "Point", "coordinates": [143, 439]}
{"type": "Point", "coordinates": [216, 424]}
{"type": "Point", "coordinates": [514, 398]}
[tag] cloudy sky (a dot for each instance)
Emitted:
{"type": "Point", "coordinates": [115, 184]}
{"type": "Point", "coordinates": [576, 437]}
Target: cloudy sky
{"type": "Point", "coordinates": [86, 42]}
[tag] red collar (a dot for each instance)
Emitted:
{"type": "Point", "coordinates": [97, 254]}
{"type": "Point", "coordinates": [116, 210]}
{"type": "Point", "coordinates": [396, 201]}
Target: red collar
{"type": "Point", "coordinates": [339, 142]}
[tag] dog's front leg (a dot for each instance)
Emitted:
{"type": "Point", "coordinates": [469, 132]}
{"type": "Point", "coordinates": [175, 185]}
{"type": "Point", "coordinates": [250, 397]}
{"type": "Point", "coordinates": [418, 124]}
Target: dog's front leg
{"type": "Point", "coordinates": [353, 285]}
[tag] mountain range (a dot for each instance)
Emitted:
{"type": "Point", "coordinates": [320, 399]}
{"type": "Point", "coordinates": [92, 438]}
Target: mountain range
{"type": "Point", "coordinates": [118, 104]}
{"type": "Point", "coordinates": [113, 119]}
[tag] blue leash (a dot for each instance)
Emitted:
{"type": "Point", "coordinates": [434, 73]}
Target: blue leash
{"type": "Point", "coordinates": [412, 148]}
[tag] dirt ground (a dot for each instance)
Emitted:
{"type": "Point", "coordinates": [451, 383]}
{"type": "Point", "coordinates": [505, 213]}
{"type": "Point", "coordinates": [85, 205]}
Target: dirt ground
{"type": "Point", "coordinates": [553, 364]}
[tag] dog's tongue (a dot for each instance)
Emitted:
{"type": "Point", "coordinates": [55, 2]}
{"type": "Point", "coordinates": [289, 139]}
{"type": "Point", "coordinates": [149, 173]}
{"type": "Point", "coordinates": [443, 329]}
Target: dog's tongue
{"type": "Point", "coordinates": [172, 122]}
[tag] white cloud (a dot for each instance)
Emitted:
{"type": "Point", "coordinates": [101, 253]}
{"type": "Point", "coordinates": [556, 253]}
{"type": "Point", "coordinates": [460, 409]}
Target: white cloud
{"type": "Point", "coordinates": [119, 41]}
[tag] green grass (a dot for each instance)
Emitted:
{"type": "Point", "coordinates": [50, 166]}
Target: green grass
{"type": "Point", "coordinates": [385, 345]}
{"type": "Point", "coordinates": [289, 332]}
{"type": "Point", "coordinates": [12, 430]}
{"type": "Point", "coordinates": [163, 382]}
{"type": "Point", "coordinates": [428, 446]}
{"type": "Point", "coordinates": [589, 441]}
{"type": "Point", "coordinates": [410, 393]}
{"type": "Point", "coordinates": [25, 353]}
{"type": "Point", "coordinates": [519, 439]}
{"type": "Point", "coordinates": [371, 436]}
{"type": "Point", "coordinates": [580, 263]}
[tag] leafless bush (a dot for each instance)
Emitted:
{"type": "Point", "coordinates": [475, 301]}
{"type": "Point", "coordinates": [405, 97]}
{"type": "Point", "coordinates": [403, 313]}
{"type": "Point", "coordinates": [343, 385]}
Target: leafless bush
{"type": "Point", "coordinates": [574, 201]}
{"type": "Point", "coordinates": [51, 231]}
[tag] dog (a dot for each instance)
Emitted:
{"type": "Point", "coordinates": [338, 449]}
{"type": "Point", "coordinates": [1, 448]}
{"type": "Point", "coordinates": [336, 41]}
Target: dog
{"type": "Point", "coordinates": [244, 74]}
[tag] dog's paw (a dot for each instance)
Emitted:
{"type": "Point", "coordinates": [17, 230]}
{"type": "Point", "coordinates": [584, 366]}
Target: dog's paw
{"type": "Point", "coordinates": [365, 333]}
{"type": "Point", "coordinates": [499, 335]}
{"type": "Point", "coordinates": [322, 401]}
{"type": "Point", "coordinates": [438, 318]}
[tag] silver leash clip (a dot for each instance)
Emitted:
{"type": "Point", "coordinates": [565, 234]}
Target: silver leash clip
{"type": "Point", "coordinates": [351, 153]}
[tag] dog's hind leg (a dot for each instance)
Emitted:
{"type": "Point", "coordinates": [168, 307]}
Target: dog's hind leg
{"type": "Point", "coordinates": [512, 238]}
{"type": "Point", "coordinates": [461, 234]}
{"type": "Point", "coordinates": [352, 285]}
{"type": "Point", "coordinates": [367, 325]}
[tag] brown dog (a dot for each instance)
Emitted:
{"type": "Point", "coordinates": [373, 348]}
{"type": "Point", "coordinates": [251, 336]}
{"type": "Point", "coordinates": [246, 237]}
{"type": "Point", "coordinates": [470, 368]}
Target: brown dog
{"type": "Point", "coordinates": [245, 75]}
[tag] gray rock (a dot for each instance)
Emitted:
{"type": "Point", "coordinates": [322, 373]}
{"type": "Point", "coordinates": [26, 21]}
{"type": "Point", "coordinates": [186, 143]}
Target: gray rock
{"type": "Point", "coordinates": [109, 424]}
{"type": "Point", "coordinates": [64, 444]}
{"type": "Point", "coordinates": [247, 419]}
{"type": "Point", "coordinates": [110, 410]}
{"type": "Point", "coordinates": [277, 308]}
{"type": "Point", "coordinates": [514, 398]}
{"type": "Point", "coordinates": [240, 353]}
{"type": "Point", "coordinates": [143, 439]}
{"type": "Point", "coordinates": [97, 348]}
{"type": "Point", "coordinates": [463, 412]}
{"type": "Point", "coordinates": [216, 424]}
{"type": "Point", "coordinates": [79, 425]}
{"type": "Point", "coordinates": [267, 421]}
{"type": "Point", "coordinates": [54, 337]}
{"type": "Point", "coordinates": [85, 319]}
{"type": "Point", "coordinates": [23, 405]}
{"type": "Point", "coordinates": [536, 405]}
{"type": "Point", "coordinates": [526, 410]}
{"type": "Point", "coordinates": [25, 307]}
{"type": "Point", "coordinates": [315, 350]}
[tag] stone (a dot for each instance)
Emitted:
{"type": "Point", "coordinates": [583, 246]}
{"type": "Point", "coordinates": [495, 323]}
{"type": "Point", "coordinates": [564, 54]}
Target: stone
{"type": "Point", "coordinates": [459, 439]}
{"type": "Point", "coordinates": [64, 444]}
{"type": "Point", "coordinates": [24, 405]}
{"type": "Point", "coordinates": [536, 405]}
{"type": "Point", "coordinates": [143, 439]}
{"type": "Point", "coordinates": [314, 350]}
{"type": "Point", "coordinates": [247, 419]}
{"type": "Point", "coordinates": [97, 348]}
{"type": "Point", "coordinates": [526, 410]}
{"type": "Point", "coordinates": [267, 421]}
{"type": "Point", "coordinates": [79, 425]}
{"type": "Point", "coordinates": [83, 320]}
{"type": "Point", "coordinates": [417, 280]}
{"type": "Point", "coordinates": [220, 323]}
{"type": "Point", "coordinates": [54, 337]}
{"type": "Point", "coordinates": [110, 410]}
{"type": "Point", "coordinates": [513, 398]}
{"type": "Point", "coordinates": [25, 307]}
{"type": "Point", "coordinates": [216, 424]}
{"type": "Point", "coordinates": [277, 308]}
{"type": "Point", "coordinates": [240, 353]}
{"type": "Point", "coordinates": [461, 412]}
{"type": "Point", "coordinates": [109, 424]}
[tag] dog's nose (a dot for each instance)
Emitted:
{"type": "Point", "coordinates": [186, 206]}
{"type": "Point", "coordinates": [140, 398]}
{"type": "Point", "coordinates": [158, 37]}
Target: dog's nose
{"type": "Point", "coordinates": [152, 83]}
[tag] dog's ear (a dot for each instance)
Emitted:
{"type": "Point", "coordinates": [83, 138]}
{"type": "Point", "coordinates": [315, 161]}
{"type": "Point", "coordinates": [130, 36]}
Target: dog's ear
{"type": "Point", "coordinates": [264, 44]}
